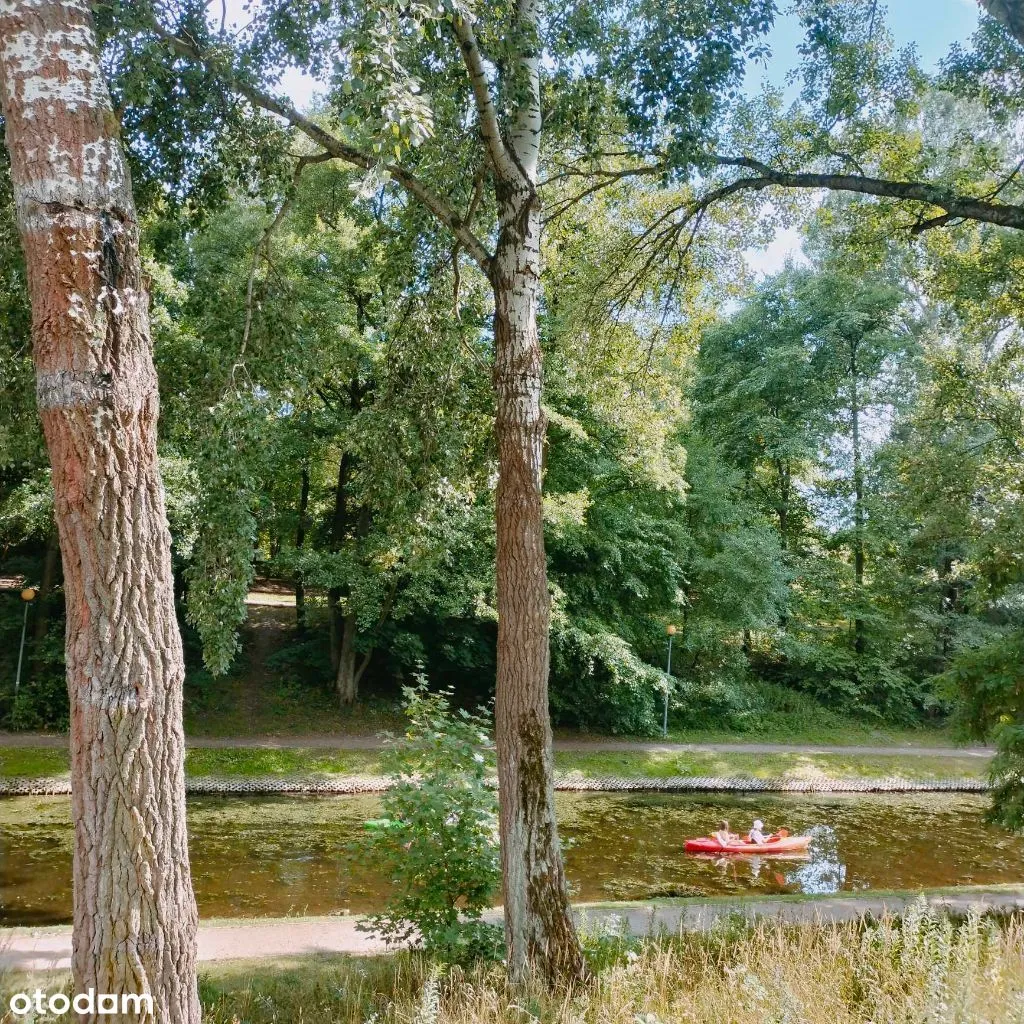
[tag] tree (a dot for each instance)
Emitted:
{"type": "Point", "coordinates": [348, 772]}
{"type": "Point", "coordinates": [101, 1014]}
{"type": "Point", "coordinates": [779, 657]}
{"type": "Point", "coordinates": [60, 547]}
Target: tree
{"type": "Point", "coordinates": [134, 912]}
{"type": "Point", "coordinates": [862, 126]}
{"type": "Point", "coordinates": [315, 355]}
{"type": "Point", "coordinates": [494, 59]}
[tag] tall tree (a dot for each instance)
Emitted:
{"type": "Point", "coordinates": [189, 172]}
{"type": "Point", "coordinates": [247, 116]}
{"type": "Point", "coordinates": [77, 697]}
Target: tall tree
{"type": "Point", "coordinates": [134, 911]}
{"type": "Point", "coordinates": [483, 186]}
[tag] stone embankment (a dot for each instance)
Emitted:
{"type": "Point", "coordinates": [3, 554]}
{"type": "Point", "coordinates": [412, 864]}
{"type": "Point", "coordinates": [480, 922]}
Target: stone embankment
{"type": "Point", "coordinates": [575, 782]}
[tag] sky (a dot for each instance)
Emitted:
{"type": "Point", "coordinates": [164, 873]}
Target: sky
{"type": "Point", "coordinates": [930, 25]}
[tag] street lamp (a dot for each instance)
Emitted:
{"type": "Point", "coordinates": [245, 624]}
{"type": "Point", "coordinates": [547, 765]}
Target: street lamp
{"type": "Point", "coordinates": [28, 595]}
{"type": "Point", "coordinates": [671, 631]}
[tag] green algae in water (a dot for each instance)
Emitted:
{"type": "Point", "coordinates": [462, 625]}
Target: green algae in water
{"type": "Point", "coordinates": [281, 855]}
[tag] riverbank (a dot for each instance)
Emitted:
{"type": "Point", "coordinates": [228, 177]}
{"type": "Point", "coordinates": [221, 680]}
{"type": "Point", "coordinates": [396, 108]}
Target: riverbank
{"type": "Point", "coordinates": [40, 949]}
{"type": "Point", "coordinates": [33, 769]}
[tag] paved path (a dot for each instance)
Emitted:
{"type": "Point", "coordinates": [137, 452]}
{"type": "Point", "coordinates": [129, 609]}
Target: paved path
{"type": "Point", "coordinates": [342, 741]}
{"type": "Point", "coordinates": [50, 948]}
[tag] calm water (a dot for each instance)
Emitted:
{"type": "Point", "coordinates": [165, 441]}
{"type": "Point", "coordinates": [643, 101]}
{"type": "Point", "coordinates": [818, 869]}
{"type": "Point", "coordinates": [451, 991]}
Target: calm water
{"type": "Point", "coordinates": [286, 855]}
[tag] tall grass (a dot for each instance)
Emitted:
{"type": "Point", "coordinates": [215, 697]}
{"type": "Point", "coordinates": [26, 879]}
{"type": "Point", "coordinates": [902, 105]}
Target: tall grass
{"type": "Point", "coordinates": [924, 968]}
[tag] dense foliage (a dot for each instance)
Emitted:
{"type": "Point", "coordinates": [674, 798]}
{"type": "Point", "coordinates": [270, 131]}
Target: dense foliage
{"type": "Point", "coordinates": [816, 476]}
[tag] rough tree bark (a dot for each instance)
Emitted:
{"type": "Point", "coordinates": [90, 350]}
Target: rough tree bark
{"type": "Point", "coordinates": [134, 912]}
{"type": "Point", "coordinates": [538, 924]}
{"type": "Point", "coordinates": [1009, 13]}
{"type": "Point", "coordinates": [538, 921]}
{"type": "Point", "coordinates": [539, 929]}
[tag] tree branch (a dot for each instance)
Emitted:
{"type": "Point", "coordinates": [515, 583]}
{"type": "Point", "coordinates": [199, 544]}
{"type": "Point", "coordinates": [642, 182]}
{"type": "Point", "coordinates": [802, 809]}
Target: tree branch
{"type": "Point", "coordinates": [954, 204]}
{"type": "Point", "coordinates": [337, 148]}
{"type": "Point", "coordinates": [1009, 14]}
{"type": "Point", "coordinates": [490, 130]}
{"type": "Point", "coordinates": [262, 250]}
{"type": "Point", "coordinates": [604, 179]}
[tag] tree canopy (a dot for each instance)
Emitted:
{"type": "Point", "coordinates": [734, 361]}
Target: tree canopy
{"type": "Point", "coordinates": [814, 474]}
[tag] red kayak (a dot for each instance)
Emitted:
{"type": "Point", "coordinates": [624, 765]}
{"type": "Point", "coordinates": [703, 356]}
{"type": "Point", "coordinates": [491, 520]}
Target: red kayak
{"type": "Point", "coordinates": [780, 844]}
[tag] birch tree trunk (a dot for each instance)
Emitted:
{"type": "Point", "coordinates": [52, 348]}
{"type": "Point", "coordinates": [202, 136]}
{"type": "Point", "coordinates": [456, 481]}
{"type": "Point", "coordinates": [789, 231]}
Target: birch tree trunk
{"type": "Point", "coordinates": [539, 929]}
{"type": "Point", "coordinates": [134, 912]}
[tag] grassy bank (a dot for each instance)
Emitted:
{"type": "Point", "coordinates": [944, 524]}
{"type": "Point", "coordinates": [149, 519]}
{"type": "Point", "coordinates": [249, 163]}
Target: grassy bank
{"type": "Point", "coordinates": [269, 690]}
{"type": "Point", "coordinates": [250, 762]}
{"type": "Point", "coordinates": [925, 968]}
{"type": "Point", "coordinates": [661, 765]}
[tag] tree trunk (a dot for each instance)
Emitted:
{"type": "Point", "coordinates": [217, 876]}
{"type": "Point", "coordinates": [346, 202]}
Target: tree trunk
{"type": "Point", "coordinates": [300, 540]}
{"type": "Point", "coordinates": [339, 526]}
{"type": "Point", "coordinates": [948, 605]}
{"type": "Point", "coordinates": [51, 562]}
{"type": "Point", "coordinates": [346, 681]}
{"type": "Point", "coordinates": [538, 923]}
{"type": "Point", "coordinates": [858, 499]}
{"type": "Point", "coordinates": [134, 912]}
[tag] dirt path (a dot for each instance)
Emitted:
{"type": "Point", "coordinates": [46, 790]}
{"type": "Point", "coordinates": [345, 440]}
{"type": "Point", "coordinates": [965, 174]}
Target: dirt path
{"type": "Point", "coordinates": [342, 741]}
{"type": "Point", "coordinates": [50, 948]}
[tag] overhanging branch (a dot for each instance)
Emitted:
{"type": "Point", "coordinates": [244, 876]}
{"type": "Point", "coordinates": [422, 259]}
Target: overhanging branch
{"type": "Point", "coordinates": [336, 147]}
{"type": "Point", "coordinates": [1009, 14]}
{"type": "Point", "coordinates": [954, 205]}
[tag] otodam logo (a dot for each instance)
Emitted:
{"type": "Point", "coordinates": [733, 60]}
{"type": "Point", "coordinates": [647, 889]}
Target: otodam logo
{"type": "Point", "coordinates": [91, 1002]}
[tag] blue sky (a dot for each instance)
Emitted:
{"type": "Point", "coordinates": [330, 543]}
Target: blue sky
{"type": "Point", "coordinates": [931, 25]}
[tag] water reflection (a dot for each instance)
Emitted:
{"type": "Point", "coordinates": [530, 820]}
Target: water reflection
{"type": "Point", "coordinates": [817, 871]}
{"type": "Point", "coordinates": [824, 872]}
{"type": "Point", "coordinates": [288, 855]}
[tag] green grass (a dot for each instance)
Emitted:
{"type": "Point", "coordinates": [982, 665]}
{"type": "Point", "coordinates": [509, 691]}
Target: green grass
{"type": "Point", "coordinates": [252, 761]}
{"type": "Point", "coordinates": [244, 762]}
{"type": "Point", "coordinates": [249, 762]}
{"type": "Point", "coordinates": [844, 734]}
{"type": "Point", "coordinates": [659, 765]}
{"type": "Point", "coordinates": [32, 762]}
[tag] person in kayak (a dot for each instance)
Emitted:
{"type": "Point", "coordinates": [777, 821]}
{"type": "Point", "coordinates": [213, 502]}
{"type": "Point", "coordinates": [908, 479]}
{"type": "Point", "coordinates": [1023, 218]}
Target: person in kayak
{"type": "Point", "coordinates": [756, 834]}
{"type": "Point", "coordinates": [724, 835]}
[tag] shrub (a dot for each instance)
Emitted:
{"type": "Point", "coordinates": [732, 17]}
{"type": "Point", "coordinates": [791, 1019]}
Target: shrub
{"type": "Point", "coordinates": [598, 683]}
{"type": "Point", "coordinates": [987, 681]}
{"type": "Point", "coordinates": [42, 700]}
{"type": "Point", "coordinates": [437, 839]}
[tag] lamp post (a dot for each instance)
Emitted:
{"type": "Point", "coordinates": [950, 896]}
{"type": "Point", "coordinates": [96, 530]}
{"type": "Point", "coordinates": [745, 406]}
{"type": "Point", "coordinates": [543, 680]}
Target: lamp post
{"type": "Point", "coordinates": [671, 631]}
{"type": "Point", "coordinates": [28, 595]}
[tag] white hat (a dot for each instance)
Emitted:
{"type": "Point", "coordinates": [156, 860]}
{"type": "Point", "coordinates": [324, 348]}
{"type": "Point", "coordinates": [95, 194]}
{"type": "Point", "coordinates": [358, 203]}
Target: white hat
{"type": "Point", "coordinates": [758, 823]}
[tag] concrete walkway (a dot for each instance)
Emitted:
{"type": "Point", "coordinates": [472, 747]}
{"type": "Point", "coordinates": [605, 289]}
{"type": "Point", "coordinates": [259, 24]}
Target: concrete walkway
{"type": "Point", "coordinates": [34, 949]}
{"type": "Point", "coordinates": [342, 741]}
